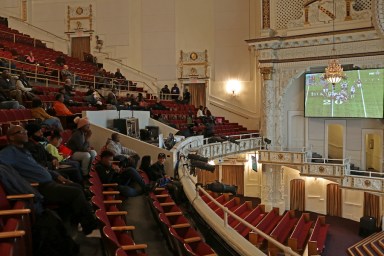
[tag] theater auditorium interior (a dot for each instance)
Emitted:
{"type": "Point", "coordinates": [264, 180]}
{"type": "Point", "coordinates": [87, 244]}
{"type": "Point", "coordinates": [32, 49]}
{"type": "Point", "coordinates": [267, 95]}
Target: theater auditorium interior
{"type": "Point", "coordinates": [204, 127]}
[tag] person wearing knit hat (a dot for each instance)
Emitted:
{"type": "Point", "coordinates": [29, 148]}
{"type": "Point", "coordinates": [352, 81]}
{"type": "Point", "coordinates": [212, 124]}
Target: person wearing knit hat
{"type": "Point", "coordinates": [79, 144]}
{"type": "Point", "coordinates": [80, 122]}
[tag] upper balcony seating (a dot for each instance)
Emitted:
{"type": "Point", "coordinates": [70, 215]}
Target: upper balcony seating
{"type": "Point", "coordinates": [300, 234]}
{"type": "Point", "coordinates": [316, 241]}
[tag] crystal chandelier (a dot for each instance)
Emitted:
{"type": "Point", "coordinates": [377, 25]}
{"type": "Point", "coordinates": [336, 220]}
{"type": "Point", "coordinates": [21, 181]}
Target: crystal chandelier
{"type": "Point", "coordinates": [334, 72]}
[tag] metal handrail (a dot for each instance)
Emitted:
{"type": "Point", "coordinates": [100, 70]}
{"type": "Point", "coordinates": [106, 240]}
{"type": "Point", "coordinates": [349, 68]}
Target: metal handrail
{"type": "Point", "coordinates": [46, 31]}
{"type": "Point", "coordinates": [131, 68]}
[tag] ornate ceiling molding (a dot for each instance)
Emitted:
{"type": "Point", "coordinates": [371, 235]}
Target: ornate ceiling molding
{"type": "Point", "coordinates": [378, 16]}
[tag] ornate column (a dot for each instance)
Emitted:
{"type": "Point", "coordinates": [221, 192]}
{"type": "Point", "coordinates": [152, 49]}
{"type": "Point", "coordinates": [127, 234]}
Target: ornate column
{"type": "Point", "coordinates": [268, 98]}
{"type": "Point", "coordinates": [272, 187]}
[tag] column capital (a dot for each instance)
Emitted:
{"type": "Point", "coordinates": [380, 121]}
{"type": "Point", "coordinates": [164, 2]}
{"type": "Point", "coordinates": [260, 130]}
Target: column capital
{"type": "Point", "coordinates": [267, 73]}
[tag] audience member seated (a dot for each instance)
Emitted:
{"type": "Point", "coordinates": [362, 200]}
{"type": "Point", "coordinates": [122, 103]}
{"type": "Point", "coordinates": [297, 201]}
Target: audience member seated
{"type": "Point", "coordinates": [119, 151]}
{"type": "Point", "coordinates": [175, 91]}
{"type": "Point", "coordinates": [7, 88]}
{"type": "Point", "coordinates": [118, 74]}
{"type": "Point", "coordinates": [38, 111]}
{"type": "Point", "coordinates": [59, 106]}
{"type": "Point", "coordinates": [125, 175]}
{"type": "Point", "coordinates": [157, 171]}
{"type": "Point", "coordinates": [200, 113]}
{"type": "Point", "coordinates": [208, 114]}
{"type": "Point", "coordinates": [94, 99]}
{"type": "Point", "coordinates": [164, 92]}
{"type": "Point", "coordinates": [36, 145]}
{"type": "Point", "coordinates": [23, 85]}
{"type": "Point", "coordinates": [64, 160]}
{"type": "Point", "coordinates": [145, 164]}
{"type": "Point", "coordinates": [60, 60]}
{"type": "Point", "coordinates": [68, 86]}
{"type": "Point", "coordinates": [112, 98]}
{"type": "Point", "coordinates": [158, 105]}
{"type": "Point", "coordinates": [67, 98]}
{"type": "Point", "coordinates": [79, 144]}
{"type": "Point", "coordinates": [142, 103]}
{"type": "Point", "coordinates": [186, 97]}
{"type": "Point", "coordinates": [101, 79]}
{"type": "Point", "coordinates": [54, 187]}
{"type": "Point", "coordinates": [29, 58]}
{"type": "Point", "coordinates": [7, 103]}
{"type": "Point", "coordinates": [65, 73]}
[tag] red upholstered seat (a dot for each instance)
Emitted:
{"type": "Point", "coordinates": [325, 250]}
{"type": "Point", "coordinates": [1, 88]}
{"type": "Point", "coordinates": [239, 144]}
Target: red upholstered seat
{"type": "Point", "coordinates": [199, 248]}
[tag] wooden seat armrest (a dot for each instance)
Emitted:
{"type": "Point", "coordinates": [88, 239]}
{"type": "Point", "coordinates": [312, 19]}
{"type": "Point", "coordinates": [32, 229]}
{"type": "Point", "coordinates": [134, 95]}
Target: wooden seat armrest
{"type": "Point", "coordinates": [117, 213]}
{"type": "Point", "coordinates": [162, 195]}
{"type": "Point", "coordinates": [173, 213]}
{"type": "Point", "coordinates": [192, 239]}
{"type": "Point", "coordinates": [21, 196]}
{"type": "Point", "coordinates": [167, 204]}
{"type": "Point", "coordinates": [12, 234]}
{"type": "Point", "coordinates": [123, 228]}
{"type": "Point", "coordinates": [111, 192]}
{"type": "Point", "coordinates": [110, 185]}
{"type": "Point", "coordinates": [183, 225]}
{"type": "Point", "coordinates": [159, 189]}
{"type": "Point", "coordinates": [112, 202]}
{"type": "Point", "coordinates": [34, 184]}
{"type": "Point", "coordinates": [134, 247]}
{"type": "Point", "coordinates": [15, 212]}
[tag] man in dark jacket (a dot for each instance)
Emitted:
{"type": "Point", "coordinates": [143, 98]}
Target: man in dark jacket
{"type": "Point", "coordinates": [54, 187]}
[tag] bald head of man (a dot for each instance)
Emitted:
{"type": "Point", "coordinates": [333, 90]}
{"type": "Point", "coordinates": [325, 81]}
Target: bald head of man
{"type": "Point", "coordinates": [17, 135]}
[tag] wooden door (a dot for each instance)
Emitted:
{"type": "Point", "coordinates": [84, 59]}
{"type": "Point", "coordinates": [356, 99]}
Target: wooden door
{"type": "Point", "coordinates": [79, 46]}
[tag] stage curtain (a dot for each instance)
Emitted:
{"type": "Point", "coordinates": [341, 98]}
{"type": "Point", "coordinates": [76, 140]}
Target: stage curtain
{"type": "Point", "coordinates": [372, 207]}
{"type": "Point", "coordinates": [334, 200]}
{"type": "Point", "coordinates": [297, 200]}
{"type": "Point", "coordinates": [197, 94]}
{"type": "Point", "coordinates": [234, 175]}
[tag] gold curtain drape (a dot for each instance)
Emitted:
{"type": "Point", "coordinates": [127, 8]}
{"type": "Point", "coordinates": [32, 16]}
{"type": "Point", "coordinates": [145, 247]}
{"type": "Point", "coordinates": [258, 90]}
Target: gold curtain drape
{"type": "Point", "coordinates": [333, 200]}
{"type": "Point", "coordinates": [234, 175]}
{"type": "Point", "coordinates": [197, 94]}
{"type": "Point", "coordinates": [205, 177]}
{"type": "Point", "coordinates": [297, 200]}
{"type": "Point", "coordinates": [372, 206]}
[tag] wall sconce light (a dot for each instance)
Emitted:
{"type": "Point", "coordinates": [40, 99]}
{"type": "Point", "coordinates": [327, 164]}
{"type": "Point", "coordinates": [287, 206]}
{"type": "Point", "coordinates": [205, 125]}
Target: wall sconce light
{"type": "Point", "coordinates": [233, 87]}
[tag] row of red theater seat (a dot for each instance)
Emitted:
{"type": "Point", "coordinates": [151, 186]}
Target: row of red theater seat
{"type": "Point", "coordinates": [182, 238]}
{"type": "Point", "coordinates": [117, 236]}
{"type": "Point", "coordinates": [281, 228]}
{"type": "Point", "coordinates": [15, 224]}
